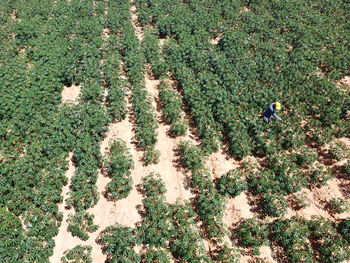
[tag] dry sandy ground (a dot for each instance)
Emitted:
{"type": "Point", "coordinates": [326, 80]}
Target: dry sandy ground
{"type": "Point", "coordinates": [70, 94]}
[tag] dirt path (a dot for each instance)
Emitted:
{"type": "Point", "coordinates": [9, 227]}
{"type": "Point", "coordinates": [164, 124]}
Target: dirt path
{"type": "Point", "coordinates": [64, 240]}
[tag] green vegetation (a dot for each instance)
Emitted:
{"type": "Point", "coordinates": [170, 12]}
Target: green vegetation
{"type": "Point", "coordinates": [232, 183]}
{"type": "Point", "coordinates": [81, 223]}
{"type": "Point", "coordinates": [119, 164]}
{"type": "Point", "coordinates": [226, 62]}
{"type": "Point", "coordinates": [78, 254]}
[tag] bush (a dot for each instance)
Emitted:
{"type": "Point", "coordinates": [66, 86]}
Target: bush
{"type": "Point", "coordinates": [320, 174]}
{"type": "Point", "coordinates": [151, 155]}
{"type": "Point", "coordinates": [274, 204]}
{"type": "Point", "coordinates": [119, 164]}
{"type": "Point", "coordinates": [232, 183]}
{"type": "Point", "coordinates": [78, 254]}
{"type": "Point", "coordinates": [178, 128]}
{"type": "Point", "coordinates": [252, 233]}
{"type": "Point", "coordinates": [293, 234]}
{"type": "Point", "coordinates": [118, 243]}
{"type": "Point", "coordinates": [344, 229]}
{"type": "Point", "coordinates": [301, 201]}
{"type": "Point", "coordinates": [346, 169]}
{"type": "Point", "coordinates": [339, 205]}
{"type": "Point", "coordinates": [80, 223]}
{"type": "Point", "coordinates": [157, 256]}
{"type": "Point", "coordinates": [328, 244]}
{"type": "Point", "coordinates": [338, 151]}
{"type": "Point", "coordinates": [119, 188]}
{"type": "Point", "coordinates": [191, 155]}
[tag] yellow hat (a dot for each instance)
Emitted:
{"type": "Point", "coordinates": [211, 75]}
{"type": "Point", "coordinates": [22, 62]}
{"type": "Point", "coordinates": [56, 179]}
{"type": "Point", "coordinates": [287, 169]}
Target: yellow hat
{"type": "Point", "coordinates": [278, 105]}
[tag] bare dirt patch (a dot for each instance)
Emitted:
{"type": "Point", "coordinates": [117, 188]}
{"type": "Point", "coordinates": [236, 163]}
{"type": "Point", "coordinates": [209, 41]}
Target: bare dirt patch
{"type": "Point", "coordinates": [70, 94]}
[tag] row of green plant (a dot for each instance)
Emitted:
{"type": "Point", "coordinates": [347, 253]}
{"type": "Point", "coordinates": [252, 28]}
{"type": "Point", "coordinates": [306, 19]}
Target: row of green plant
{"type": "Point", "coordinates": [238, 78]}
{"type": "Point", "coordinates": [134, 61]}
{"type": "Point", "coordinates": [119, 164]}
{"type": "Point", "coordinates": [81, 223]}
{"type": "Point", "coordinates": [172, 109]}
{"type": "Point", "coordinates": [302, 240]}
{"type": "Point", "coordinates": [210, 205]}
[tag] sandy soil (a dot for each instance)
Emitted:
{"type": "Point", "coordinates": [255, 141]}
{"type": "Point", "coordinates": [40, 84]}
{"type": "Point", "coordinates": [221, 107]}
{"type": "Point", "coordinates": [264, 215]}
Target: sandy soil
{"type": "Point", "coordinates": [219, 163]}
{"type": "Point", "coordinates": [216, 40]}
{"type": "Point", "coordinates": [70, 94]}
{"type": "Point", "coordinates": [266, 253]}
{"type": "Point", "coordinates": [237, 209]}
{"type": "Point", "coordinates": [345, 81]}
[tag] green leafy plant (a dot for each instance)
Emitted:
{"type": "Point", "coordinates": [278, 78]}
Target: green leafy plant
{"type": "Point", "coordinates": [338, 151]}
{"type": "Point", "coordinates": [252, 233]}
{"type": "Point", "coordinates": [293, 234]}
{"type": "Point", "coordinates": [118, 251]}
{"type": "Point", "coordinates": [119, 164]}
{"type": "Point", "coordinates": [232, 183]}
{"type": "Point", "coordinates": [81, 223]}
{"type": "Point", "coordinates": [327, 242]}
{"type": "Point", "coordinates": [346, 168]}
{"type": "Point", "coordinates": [78, 254]}
{"type": "Point", "coordinates": [301, 201]}
{"type": "Point", "coordinates": [339, 205]}
{"type": "Point", "coordinates": [178, 128]}
{"type": "Point", "coordinates": [191, 155]}
{"type": "Point", "coordinates": [344, 229]}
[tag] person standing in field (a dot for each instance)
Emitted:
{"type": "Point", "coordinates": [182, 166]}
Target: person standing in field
{"type": "Point", "coordinates": [271, 111]}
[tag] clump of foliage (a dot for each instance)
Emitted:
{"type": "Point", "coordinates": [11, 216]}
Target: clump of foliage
{"type": "Point", "coordinates": [232, 183]}
{"type": "Point", "coordinates": [155, 227]}
{"type": "Point", "coordinates": [151, 155]}
{"type": "Point", "coordinates": [156, 256]}
{"type": "Point", "coordinates": [152, 53]}
{"type": "Point", "coordinates": [293, 234]}
{"type": "Point", "coordinates": [115, 84]}
{"type": "Point", "coordinates": [306, 156]}
{"type": "Point", "coordinates": [78, 254]}
{"type": "Point", "coordinates": [338, 151]}
{"type": "Point", "coordinates": [191, 155]}
{"type": "Point", "coordinates": [116, 250]}
{"type": "Point", "coordinates": [339, 205]}
{"type": "Point", "coordinates": [119, 164]}
{"type": "Point", "coordinates": [274, 204]}
{"type": "Point", "coordinates": [178, 128]}
{"type": "Point", "coordinates": [252, 232]}
{"type": "Point", "coordinates": [346, 168]}
{"type": "Point", "coordinates": [327, 242]}
{"type": "Point", "coordinates": [344, 229]}
{"type": "Point", "coordinates": [171, 102]}
{"type": "Point", "coordinates": [11, 236]}
{"type": "Point", "coordinates": [81, 223]}
{"type": "Point", "coordinates": [186, 243]}
{"type": "Point", "coordinates": [227, 255]}
{"type": "Point", "coordinates": [320, 174]}
{"type": "Point", "coordinates": [301, 200]}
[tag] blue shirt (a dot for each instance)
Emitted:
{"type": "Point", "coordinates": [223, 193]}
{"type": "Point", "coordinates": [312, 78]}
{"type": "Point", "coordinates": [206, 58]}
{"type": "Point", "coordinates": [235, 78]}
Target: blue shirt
{"type": "Point", "coordinates": [270, 112]}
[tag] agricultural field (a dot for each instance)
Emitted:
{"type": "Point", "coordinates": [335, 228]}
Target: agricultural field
{"type": "Point", "coordinates": [132, 131]}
